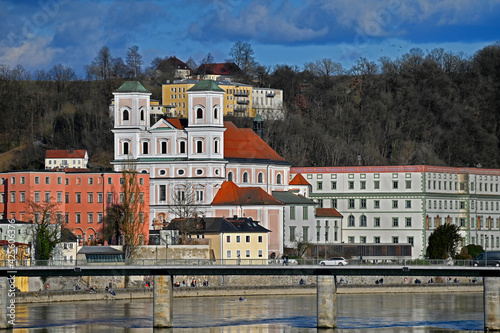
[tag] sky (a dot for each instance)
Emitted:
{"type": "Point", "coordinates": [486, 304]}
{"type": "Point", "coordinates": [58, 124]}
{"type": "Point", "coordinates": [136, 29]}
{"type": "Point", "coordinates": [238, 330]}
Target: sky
{"type": "Point", "coordinates": [40, 34]}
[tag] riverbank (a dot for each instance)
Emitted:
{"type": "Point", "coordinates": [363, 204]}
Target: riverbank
{"type": "Point", "coordinates": [145, 293]}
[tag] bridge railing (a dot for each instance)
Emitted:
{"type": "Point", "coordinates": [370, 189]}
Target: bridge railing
{"type": "Point", "coordinates": [229, 262]}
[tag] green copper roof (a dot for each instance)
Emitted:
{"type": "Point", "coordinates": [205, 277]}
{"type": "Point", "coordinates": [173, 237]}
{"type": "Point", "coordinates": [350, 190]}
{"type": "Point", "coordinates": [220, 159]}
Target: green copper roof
{"type": "Point", "coordinates": [206, 85]}
{"type": "Point", "coordinates": [132, 86]}
{"type": "Point", "coordinates": [258, 118]}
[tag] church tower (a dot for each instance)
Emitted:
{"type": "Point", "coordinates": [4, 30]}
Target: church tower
{"type": "Point", "coordinates": [258, 126]}
{"type": "Point", "coordinates": [205, 121]}
{"type": "Point", "coordinates": [131, 116]}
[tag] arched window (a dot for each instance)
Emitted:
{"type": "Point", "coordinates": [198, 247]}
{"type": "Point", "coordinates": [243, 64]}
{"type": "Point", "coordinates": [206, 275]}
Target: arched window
{"type": "Point", "coordinates": [351, 221]}
{"type": "Point", "coordinates": [126, 115]}
{"type": "Point", "coordinates": [362, 221]}
{"type": "Point", "coordinates": [230, 176]}
{"type": "Point", "coordinates": [199, 146]}
{"type": "Point", "coordinates": [216, 146]}
{"type": "Point", "coordinates": [278, 179]}
{"type": "Point", "coordinates": [145, 147]}
{"type": "Point", "coordinates": [260, 178]}
{"type": "Point", "coordinates": [199, 113]}
{"type": "Point", "coordinates": [182, 147]}
{"type": "Point", "coordinates": [245, 177]}
{"type": "Point", "coordinates": [142, 115]}
{"type": "Point", "coordinates": [216, 113]}
{"type": "Point", "coordinates": [125, 148]}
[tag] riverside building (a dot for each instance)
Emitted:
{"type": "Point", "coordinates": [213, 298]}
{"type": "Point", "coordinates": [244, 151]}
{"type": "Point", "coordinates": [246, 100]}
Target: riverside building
{"type": "Point", "coordinates": [405, 204]}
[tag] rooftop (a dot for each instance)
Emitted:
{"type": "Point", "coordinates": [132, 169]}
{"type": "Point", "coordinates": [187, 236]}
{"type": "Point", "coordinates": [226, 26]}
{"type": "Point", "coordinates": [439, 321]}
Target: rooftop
{"type": "Point", "coordinates": [232, 194]}
{"type": "Point", "coordinates": [132, 86]}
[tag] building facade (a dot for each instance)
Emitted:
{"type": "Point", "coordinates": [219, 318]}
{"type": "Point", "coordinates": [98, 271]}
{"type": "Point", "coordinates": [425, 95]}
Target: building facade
{"type": "Point", "coordinates": [188, 161]}
{"type": "Point", "coordinates": [71, 158]}
{"type": "Point", "coordinates": [405, 204]}
{"type": "Point", "coordinates": [80, 198]}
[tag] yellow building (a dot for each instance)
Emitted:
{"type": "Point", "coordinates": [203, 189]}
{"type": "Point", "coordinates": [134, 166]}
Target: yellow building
{"type": "Point", "coordinates": [237, 98]}
{"type": "Point", "coordinates": [236, 240]}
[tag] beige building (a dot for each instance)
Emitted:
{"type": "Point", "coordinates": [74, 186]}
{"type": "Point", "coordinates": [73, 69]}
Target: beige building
{"type": "Point", "coordinates": [72, 158]}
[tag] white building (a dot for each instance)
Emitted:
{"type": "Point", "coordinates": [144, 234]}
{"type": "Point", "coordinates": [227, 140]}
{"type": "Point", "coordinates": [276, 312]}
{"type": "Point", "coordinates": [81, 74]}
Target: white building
{"type": "Point", "coordinates": [71, 158]}
{"type": "Point", "coordinates": [404, 204]}
{"type": "Point", "coordinates": [268, 103]}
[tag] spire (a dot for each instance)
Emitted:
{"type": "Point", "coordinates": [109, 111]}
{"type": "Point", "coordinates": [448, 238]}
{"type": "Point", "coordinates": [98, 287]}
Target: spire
{"type": "Point", "coordinates": [258, 126]}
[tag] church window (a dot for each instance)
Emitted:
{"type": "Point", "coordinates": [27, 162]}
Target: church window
{"type": "Point", "coordinates": [145, 147]}
{"type": "Point", "coordinates": [230, 177]}
{"type": "Point", "coordinates": [260, 178]}
{"type": "Point", "coordinates": [199, 113]}
{"type": "Point", "coordinates": [199, 146]}
{"type": "Point", "coordinates": [142, 115]}
{"type": "Point", "coordinates": [125, 148]}
{"type": "Point", "coordinates": [245, 177]}
{"type": "Point", "coordinates": [216, 146]}
{"type": "Point", "coordinates": [182, 147]}
{"type": "Point", "coordinates": [164, 147]}
{"type": "Point", "coordinates": [216, 113]}
{"type": "Point", "coordinates": [125, 115]}
{"type": "Point", "coordinates": [278, 179]}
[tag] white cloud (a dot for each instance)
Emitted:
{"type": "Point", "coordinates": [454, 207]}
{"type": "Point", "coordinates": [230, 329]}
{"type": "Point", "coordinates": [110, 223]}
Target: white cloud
{"type": "Point", "coordinates": [32, 53]}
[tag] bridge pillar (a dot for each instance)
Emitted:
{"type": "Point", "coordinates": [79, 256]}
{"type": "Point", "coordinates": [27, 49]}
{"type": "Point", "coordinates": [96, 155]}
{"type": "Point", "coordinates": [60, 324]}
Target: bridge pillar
{"type": "Point", "coordinates": [491, 304]}
{"type": "Point", "coordinates": [162, 301]}
{"type": "Point", "coordinates": [327, 301]}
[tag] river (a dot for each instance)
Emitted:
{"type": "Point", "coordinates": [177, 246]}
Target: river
{"type": "Point", "coordinates": [395, 313]}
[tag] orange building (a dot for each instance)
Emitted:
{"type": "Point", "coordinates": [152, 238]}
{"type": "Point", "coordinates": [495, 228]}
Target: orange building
{"type": "Point", "coordinates": [81, 198]}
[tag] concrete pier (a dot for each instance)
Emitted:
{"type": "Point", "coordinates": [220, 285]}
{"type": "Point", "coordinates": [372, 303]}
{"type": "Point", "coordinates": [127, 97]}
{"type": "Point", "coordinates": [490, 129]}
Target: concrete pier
{"type": "Point", "coordinates": [492, 304]}
{"type": "Point", "coordinates": [163, 302]}
{"type": "Point", "coordinates": [327, 301]}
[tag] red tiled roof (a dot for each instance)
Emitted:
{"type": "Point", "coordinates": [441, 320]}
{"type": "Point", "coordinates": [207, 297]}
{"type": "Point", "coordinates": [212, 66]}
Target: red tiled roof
{"type": "Point", "coordinates": [327, 212]}
{"type": "Point", "coordinates": [299, 180]}
{"type": "Point", "coordinates": [232, 194]}
{"type": "Point", "coordinates": [65, 153]}
{"type": "Point", "coordinates": [176, 122]}
{"type": "Point", "coordinates": [245, 144]}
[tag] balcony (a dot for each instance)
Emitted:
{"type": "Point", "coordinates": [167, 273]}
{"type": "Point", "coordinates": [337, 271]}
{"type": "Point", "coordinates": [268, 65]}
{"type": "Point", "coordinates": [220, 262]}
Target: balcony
{"type": "Point", "coordinates": [243, 101]}
{"type": "Point", "coordinates": [240, 108]}
{"type": "Point", "coordinates": [241, 93]}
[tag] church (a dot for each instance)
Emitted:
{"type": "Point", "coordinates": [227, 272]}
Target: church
{"type": "Point", "coordinates": [201, 166]}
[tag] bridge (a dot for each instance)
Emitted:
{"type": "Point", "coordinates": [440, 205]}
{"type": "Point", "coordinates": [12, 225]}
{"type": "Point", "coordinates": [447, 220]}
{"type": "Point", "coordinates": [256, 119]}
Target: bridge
{"type": "Point", "coordinates": [326, 282]}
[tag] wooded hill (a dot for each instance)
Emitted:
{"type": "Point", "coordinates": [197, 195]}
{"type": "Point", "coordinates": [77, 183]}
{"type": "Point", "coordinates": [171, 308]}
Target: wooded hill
{"type": "Point", "coordinates": [434, 108]}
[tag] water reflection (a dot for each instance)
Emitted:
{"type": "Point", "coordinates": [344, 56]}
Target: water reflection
{"type": "Point", "coordinates": [294, 314]}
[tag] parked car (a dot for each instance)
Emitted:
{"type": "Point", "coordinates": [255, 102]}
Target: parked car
{"type": "Point", "coordinates": [488, 258]}
{"type": "Point", "coordinates": [336, 261]}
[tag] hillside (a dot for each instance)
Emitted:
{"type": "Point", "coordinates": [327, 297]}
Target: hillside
{"type": "Point", "coordinates": [437, 108]}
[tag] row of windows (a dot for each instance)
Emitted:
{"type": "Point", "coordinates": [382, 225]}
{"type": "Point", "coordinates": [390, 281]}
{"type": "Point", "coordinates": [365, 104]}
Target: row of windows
{"type": "Point", "coordinates": [246, 177]}
{"type": "Point", "coordinates": [174, 96]}
{"type": "Point", "coordinates": [229, 254]}
{"type": "Point", "coordinates": [487, 242]}
{"type": "Point", "coordinates": [363, 221]}
{"type": "Point", "coordinates": [174, 89]}
{"type": "Point", "coordinates": [181, 195]}
{"type": "Point", "coordinates": [237, 238]}
{"type": "Point", "coordinates": [59, 197]}
{"type": "Point", "coordinates": [376, 239]}
{"type": "Point", "coordinates": [362, 185]}
{"type": "Point", "coordinates": [90, 180]}
{"type": "Point", "coordinates": [163, 146]}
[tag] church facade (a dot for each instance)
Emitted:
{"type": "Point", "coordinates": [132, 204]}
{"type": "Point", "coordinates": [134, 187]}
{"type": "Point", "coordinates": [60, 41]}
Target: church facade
{"type": "Point", "coordinates": [189, 161]}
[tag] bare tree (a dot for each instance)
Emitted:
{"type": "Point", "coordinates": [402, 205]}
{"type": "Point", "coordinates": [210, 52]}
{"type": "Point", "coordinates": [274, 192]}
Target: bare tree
{"type": "Point", "coordinates": [134, 60]}
{"type": "Point", "coordinates": [46, 228]}
{"type": "Point", "coordinates": [133, 215]}
{"type": "Point", "coordinates": [185, 208]}
{"type": "Point", "coordinates": [100, 68]}
{"type": "Point", "coordinates": [324, 67]}
{"type": "Point", "coordinates": [243, 56]}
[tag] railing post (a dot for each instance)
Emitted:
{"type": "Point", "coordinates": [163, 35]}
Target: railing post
{"type": "Point", "coordinates": [327, 301]}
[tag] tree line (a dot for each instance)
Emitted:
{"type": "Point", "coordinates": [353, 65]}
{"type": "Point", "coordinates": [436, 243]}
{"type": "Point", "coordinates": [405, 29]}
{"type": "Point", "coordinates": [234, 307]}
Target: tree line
{"type": "Point", "coordinates": [437, 107]}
